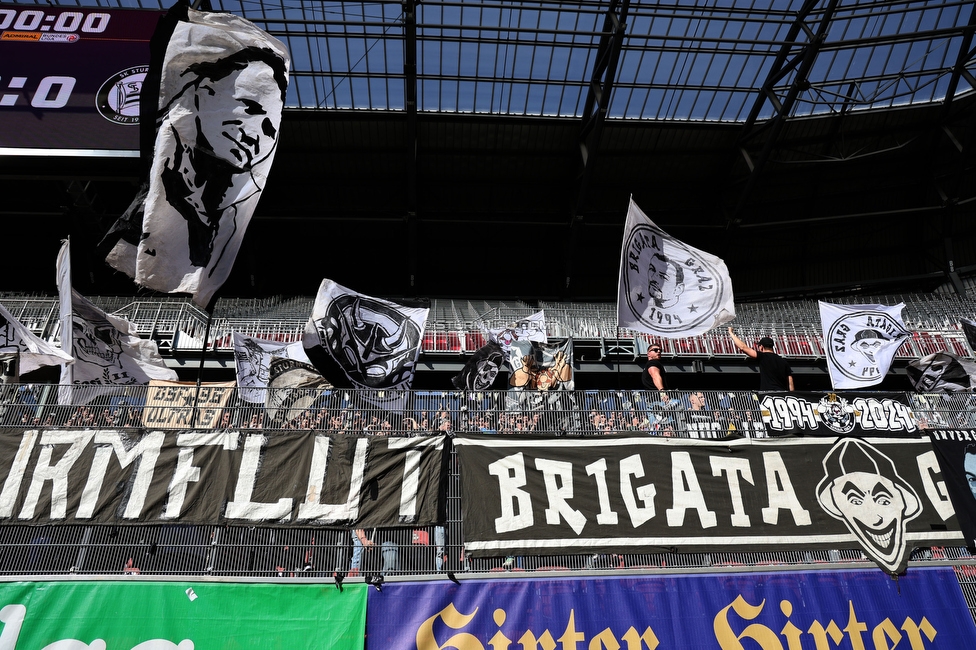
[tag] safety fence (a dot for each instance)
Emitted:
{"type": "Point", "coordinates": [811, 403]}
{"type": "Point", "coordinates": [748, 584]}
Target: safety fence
{"type": "Point", "coordinates": [229, 550]}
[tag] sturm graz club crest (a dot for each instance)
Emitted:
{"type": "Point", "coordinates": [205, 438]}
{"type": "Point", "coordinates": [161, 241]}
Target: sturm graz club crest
{"type": "Point", "coordinates": [857, 340]}
{"type": "Point", "coordinates": [836, 413]}
{"type": "Point", "coordinates": [118, 98]}
{"type": "Point", "coordinates": [670, 287]}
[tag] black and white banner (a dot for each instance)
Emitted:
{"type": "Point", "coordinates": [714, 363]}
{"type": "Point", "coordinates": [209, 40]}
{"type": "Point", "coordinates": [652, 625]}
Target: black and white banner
{"type": "Point", "coordinates": [838, 414]}
{"type": "Point", "coordinates": [221, 93]}
{"type": "Point", "coordinates": [956, 451]}
{"type": "Point", "coordinates": [481, 369]}
{"type": "Point", "coordinates": [252, 359]}
{"type": "Point", "coordinates": [108, 352]}
{"type": "Point", "coordinates": [31, 351]}
{"type": "Point", "coordinates": [530, 328]}
{"type": "Point", "coordinates": [294, 387]}
{"type": "Point", "coordinates": [541, 366]}
{"type": "Point", "coordinates": [206, 477]}
{"type": "Point", "coordinates": [668, 288]}
{"type": "Point", "coordinates": [941, 372]}
{"type": "Point", "coordinates": [357, 341]}
{"type": "Point", "coordinates": [609, 494]}
{"type": "Point", "coordinates": [861, 341]}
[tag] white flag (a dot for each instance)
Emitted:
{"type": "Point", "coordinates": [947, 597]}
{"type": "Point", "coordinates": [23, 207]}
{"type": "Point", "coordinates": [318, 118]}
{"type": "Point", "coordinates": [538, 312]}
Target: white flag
{"type": "Point", "coordinates": [107, 349]}
{"type": "Point", "coordinates": [530, 328]}
{"type": "Point", "coordinates": [252, 357]}
{"type": "Point", "coordinates": [668, 288]}
{"type": "Point", "coordinates": [861, 341]}
{"type": "Point", "coordinates": [220, 100]}
{"type": "Point", "coordinates": [363, 342]}
{"type": "Point", "coordinates": [33, 351]}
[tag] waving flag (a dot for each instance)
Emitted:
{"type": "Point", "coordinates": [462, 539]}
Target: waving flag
{"type": "Point", "coordinates": [108, 352]}
{"type": "Point", "coordinates": [30, 351]}
{"type": "Point", "coordinates": [363, 342]}
{"type": "Point", "coordinates": [252, 358]}
{"type": "Point", "coordinates": [861, 341]}
{"type": "Point", "coordinates": [668, 288]}
{"type": "Point", "coordinates": [221, 93]}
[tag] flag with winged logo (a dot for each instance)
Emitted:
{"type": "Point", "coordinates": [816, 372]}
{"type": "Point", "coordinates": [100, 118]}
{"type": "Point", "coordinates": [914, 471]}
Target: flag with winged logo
{"type": "Point", "coordinates": [357, 341]}
{"type": "Point", "coordinates": [30, 351]}
{"type": "Point", "coordinates": [221, 91]}
{"type": "Point", "coordinates": [108, 352]}
{"type": "Point", "coordinates": [861, 342]}
{"type": "Point", "coordinates": [252, 358]}
{"type": "Point", "coordinates": [668, 288]}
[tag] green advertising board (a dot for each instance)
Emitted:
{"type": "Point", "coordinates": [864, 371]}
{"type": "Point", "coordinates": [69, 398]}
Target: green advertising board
{"type": "Point", "coordinates": [116, 615]}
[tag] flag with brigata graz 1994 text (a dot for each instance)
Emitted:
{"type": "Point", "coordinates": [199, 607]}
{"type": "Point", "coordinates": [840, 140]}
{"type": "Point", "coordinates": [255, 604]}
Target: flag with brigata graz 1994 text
{"type": "Point", "coordinates": [668, 288]}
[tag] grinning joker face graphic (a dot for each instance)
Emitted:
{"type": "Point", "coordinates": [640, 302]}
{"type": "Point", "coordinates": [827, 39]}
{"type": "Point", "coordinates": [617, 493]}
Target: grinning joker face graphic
{"type": "Point", "coordinates": [863, 489]}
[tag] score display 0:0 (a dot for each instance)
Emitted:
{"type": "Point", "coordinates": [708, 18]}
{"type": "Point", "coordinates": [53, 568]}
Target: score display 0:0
{"type": "Point", "coordinates": [29, 20]}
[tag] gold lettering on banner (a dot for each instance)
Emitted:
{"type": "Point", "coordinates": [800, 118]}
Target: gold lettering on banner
{"type": "Point", "coordinates": [571, 638]}
{"type": "Point", "coordinates": [884, 636]}
{"type": "Point", "coordinates": [454, 620]}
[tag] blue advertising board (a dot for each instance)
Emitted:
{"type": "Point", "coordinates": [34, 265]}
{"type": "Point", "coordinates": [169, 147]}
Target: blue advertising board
{"type": "Point", "coordinates": [755, 611]}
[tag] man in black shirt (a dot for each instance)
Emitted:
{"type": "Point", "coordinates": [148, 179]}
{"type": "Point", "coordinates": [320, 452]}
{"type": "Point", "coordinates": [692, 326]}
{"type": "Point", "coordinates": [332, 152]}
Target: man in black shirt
{"type": "Point", "coordinates": [775, 372]}
{"type": "Point", "coordinates": [654, 376]}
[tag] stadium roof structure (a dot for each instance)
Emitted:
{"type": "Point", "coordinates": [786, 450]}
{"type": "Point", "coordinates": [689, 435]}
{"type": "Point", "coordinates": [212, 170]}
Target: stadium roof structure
{"type": "Point", "coordinates": [489, 148]}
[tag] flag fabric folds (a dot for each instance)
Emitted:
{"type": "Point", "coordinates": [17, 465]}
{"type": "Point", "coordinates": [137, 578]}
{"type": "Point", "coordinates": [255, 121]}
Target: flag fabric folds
{"type": "Point", "coordinates": [357, 341]}
{"type": "Point", "coordinates": [668, 288]}
{"type": "Point", "coordinates": [108, 352]}
{"type": "Point", "coordinates": [28, 351]}
{"type": "Point", "coordinates": [541, 366]}
{"type": "Point", "coordinates": [482, 368]}
{"type": "Point", "coordinates": [530, 328]}
{"type": "Point", "coordinates": [941, 372]}
{"type": "Point", "coordinates": [861, 341]}
{"type": "Point", "coordinates": [221, 93]}
{"type": "Point", "coordinates": [252, 359]}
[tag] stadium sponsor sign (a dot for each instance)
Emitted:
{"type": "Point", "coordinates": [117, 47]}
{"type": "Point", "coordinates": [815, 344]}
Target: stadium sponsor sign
{"type": "Point", "coordinates": [180, 615]}
{"type": "Point", "coordinates": [765, 611]}
{"type": "Point", "coordinates": [834, 414]}
{"type": "Point", "coordinates": [303, 478]}
{"type": "Point", "coordinates": [624, 494]}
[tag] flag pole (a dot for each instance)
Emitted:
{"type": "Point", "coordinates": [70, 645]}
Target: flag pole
{"type": "Point", "coordinates": [203, 356]}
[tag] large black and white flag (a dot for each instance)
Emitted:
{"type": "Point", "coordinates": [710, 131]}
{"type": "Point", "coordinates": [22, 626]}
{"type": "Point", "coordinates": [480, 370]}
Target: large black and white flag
{"type": "Point", "coordinates": [221, 93]}
{"type": "Point", "coordinates": [541, 366]}
{"type": "Point", "coordinates": [108, 352]}
{"type": "Point", "coordinates": [941, 372]}
{"type": "Point", "coordinates": [24, 348]}
{"type": "Point", "coordinates": [294, 387]}
{"type": "Point", "coordinates": [482, 368]}
{"type": "Point", "coordinates": [668, 288]}
{"type": "Point", "coordinates": [252, 358]}
{"type": "Point", "coordinates": [861, 341]}
{"type": "Point", "coordinates": [358, 341]}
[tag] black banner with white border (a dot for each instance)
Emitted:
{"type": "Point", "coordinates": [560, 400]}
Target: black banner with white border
{"type": "Point", "coordinates": [623, 494]}
{"type": "Point", "coordinates": [93, 476]}
{"type": "Point", "coordinates": [956, 451]}
{"type": "Point", "coordinates": [838, 414]}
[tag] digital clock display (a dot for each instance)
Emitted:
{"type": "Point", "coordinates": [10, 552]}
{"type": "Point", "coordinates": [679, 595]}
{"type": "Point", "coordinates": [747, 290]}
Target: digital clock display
{"type": "Point", "coordinates": [71, 78]}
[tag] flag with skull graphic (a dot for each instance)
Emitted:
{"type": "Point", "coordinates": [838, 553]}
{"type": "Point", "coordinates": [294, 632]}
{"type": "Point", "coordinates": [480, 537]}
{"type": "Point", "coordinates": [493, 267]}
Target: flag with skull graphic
{"type": "Point", "coordinates": [357, 341]}
{"type": "Point", "coordinates": [107, 349]}
{"type": "Point", "coordinates": [861, 341]}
